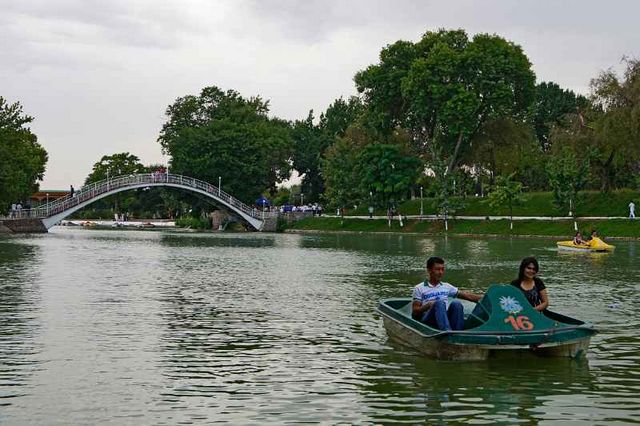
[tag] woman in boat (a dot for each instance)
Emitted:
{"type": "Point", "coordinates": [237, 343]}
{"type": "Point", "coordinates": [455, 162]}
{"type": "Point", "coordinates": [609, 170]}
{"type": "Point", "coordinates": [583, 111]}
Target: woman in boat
{"type": "Point", "coordinates": [577, 240]}
{"type": "Point", "coordinates": [532, 286]}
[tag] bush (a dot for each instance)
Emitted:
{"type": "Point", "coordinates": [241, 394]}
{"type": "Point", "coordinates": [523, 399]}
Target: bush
{"type": "Point", "coordinates": [193, 222]}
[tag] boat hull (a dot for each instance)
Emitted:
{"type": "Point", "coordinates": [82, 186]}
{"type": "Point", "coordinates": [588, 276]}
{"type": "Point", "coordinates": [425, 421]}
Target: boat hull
{"type": "Point", "coordinates": [501, 323]}
{"type": "Point", "coordinates": [441, 348]}
{"type": "Point", "coordinates": [596, 245]}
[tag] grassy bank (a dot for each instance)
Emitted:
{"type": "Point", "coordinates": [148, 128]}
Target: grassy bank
{"type": "Point", "coordinates": [607, 228]}
{"type": "Point", "coordinates": [590, 203]}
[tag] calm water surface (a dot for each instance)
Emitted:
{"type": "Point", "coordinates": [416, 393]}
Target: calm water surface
{"type": "Point", "coordinates": [130, 327]}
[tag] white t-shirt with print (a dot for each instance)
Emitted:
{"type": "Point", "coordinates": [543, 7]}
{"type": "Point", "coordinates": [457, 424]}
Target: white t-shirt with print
{"type": "Point", "coordinates": [425, 292]}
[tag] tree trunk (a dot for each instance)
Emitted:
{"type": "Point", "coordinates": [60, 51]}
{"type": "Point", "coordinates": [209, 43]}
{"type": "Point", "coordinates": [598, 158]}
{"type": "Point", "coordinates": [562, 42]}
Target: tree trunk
{"type": "Point", "coordinates": [605, 184]}
{"type": "Point", "coordinates": [452, 162]}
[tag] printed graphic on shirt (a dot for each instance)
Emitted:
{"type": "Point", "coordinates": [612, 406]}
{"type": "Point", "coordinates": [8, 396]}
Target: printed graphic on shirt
{"type": "Point", "coordinates": [426, 293]}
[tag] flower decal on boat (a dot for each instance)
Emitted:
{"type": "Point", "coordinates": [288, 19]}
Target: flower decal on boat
{"type": "Point", "coordinates": [510, 305]}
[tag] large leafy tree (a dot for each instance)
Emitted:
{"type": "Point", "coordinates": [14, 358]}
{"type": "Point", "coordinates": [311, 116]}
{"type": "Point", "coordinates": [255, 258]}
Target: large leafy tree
{"type": "Point", "coordinates": [617, 128]}
{"type": "Point", "coordinates": [312, 140]}
{"type": "Point", "coordinates": [449, 84]}
{"type": "Point", "coordinates": [504, 146]}
{"type": "Point", "coordinates": [551, 105]}
{"type": "Point", "coordinates": [310, 144]}
{"type": "Point", "coordinates": [111, 166]}
{"type": "Point", "coordinates": [339, 168]}
{"type": "Point", "coordinates": [387, 172]}
{"type": "Point", "coordinates": [222, 134]}
{"type": "Point", "coordinates": [22, 158]}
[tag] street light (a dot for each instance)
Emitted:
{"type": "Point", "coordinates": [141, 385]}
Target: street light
{"type": "Point", "coordinates": [47, 204]}
{"type": "Point", "coordinates": [219, 185]}
{"type": "Point", "coordinates": [421, 204]}
{"type": "Point", "coordinates": [301, 199]}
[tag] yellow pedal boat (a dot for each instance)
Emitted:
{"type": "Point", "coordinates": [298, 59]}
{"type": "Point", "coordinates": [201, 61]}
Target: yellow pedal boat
{"type": "Point", "coordinates": [593, 245]}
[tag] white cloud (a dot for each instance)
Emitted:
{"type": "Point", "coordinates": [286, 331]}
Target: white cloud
{"type": "Point", "coordinates": [97, 76]}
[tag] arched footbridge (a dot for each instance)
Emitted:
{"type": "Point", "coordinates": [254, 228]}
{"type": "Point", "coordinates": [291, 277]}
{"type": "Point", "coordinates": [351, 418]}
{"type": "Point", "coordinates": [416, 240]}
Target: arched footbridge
{"type": "Point", "coordinates": [51, 213]}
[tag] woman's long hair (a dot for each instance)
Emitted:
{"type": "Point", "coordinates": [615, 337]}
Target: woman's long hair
{"type": "Point", "coordinates": [525, 262]}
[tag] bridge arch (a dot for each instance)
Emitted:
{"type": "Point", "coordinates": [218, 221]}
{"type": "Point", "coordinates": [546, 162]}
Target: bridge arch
{"type": "Point", "coordinates": [55, 211]}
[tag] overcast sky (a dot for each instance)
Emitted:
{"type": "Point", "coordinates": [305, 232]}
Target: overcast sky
{"type": "Point", "coordinates": [98, 75]}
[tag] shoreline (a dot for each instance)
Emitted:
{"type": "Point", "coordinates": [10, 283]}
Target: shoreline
{"type": "Point", "coordinates": [608, 229]}
{"type": "Point", "coordinates": [452, 234]}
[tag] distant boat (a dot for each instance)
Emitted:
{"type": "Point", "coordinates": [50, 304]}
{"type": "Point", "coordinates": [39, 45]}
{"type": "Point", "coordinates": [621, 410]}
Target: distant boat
{"type": "Point", "coordinates": [502, 322]}
{"type": "Point", "coordinates": [595, 244]}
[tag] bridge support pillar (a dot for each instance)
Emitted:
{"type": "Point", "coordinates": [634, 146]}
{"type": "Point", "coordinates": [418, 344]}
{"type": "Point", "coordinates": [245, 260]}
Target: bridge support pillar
{"type": "Point", "coordinates": [270, 224]}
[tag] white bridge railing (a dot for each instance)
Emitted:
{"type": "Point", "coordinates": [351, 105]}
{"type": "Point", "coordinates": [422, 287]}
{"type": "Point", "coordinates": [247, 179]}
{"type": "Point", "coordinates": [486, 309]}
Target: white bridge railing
{"type": "Point", "coordinates": [97, 189]}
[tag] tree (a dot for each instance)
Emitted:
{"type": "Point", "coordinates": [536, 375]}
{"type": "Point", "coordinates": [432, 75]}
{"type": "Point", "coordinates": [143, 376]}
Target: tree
{"type": "Point", "coordinates": [387, 172]}
{"type": "Point", "coordinates": [311, 141]}
{"type": "Point", "coordinates": [504, 146]}
{"type": "Point", "coordinates": [443, 183]}
{"type": "Point", "coordinates": [339, 168]}
{"type": "Point", "coordinates": [567, 176]}
{"type": "Point", "coordinates": [22, 158]}
{"type": "Point", "coordinates": [112, 166]}
{"type": "Point", "coordinates": [449, 84]}
{"type": "Point", "coordinates": [551, 105]}
{"type": "Point", "coordinates": [310, 144]}
{"type": "Point", "coordinates": [222, 134]}
{"type": "Point", "coordinates": [506, 192]}
{"type": "Point", "coordinates": [617, 128]}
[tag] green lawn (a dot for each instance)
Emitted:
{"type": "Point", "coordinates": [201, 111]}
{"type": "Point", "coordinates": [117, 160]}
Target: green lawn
{"type": "Point", "coordinates": [606, 228]}
{"type": "Point", "coordinates": [591, 203]}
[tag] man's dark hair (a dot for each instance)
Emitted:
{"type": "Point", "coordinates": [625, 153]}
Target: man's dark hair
{"type": "Point", "coordinates": [433, 260]}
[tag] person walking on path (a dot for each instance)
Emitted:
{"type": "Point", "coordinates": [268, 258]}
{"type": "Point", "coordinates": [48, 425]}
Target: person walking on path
{"type": "Point", "coordinates": [632, 210]}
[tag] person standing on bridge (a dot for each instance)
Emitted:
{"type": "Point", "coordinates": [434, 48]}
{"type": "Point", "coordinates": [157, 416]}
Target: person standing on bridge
{"type": "Point", "coordinates": [71, 191]}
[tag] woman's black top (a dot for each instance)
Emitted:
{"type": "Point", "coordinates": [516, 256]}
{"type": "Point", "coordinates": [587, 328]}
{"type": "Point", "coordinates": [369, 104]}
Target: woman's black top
{"type": "Point", "coordinates": [533, 295]}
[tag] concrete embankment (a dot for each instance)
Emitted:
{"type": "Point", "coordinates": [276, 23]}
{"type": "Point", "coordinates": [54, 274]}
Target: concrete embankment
{"type": "Point", "coordinates": [18, 226]}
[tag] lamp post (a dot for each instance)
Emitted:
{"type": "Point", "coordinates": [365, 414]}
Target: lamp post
{"type": "Point", "coordinates": [301, 199]}
{"type": "Point", "coordinates": [47, 204]}
{"type": "Point", "coordinates": [219, 185]}
{"type": "Point", "coordinates": [421, 204]}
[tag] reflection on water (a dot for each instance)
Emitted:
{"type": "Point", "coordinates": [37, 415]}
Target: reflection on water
{"type": "Point", "coordinates": [18, 319]}
{"type": "Point", "coordinates": [157, 327]}
{"type": "Point", "coordinates": [497, 390]}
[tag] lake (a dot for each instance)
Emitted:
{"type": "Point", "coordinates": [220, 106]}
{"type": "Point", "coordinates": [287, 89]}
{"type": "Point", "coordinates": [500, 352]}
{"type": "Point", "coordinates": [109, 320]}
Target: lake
{"type": "Point", "coordinates": [160, 327]}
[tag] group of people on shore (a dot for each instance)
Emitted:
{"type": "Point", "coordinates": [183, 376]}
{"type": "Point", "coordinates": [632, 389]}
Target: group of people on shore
{"type": "Point", "coordinates": [18, 210]}
{"type": "Point", "coordinates": [431, 303]}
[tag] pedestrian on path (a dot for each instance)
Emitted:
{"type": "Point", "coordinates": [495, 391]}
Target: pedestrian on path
{"type": "Point", "coordinates": [632, 210]}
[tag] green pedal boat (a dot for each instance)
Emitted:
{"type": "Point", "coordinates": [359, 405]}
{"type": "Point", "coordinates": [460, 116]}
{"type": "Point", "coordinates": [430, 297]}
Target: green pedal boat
{"type": "Point", "coordinates": [502, 322]}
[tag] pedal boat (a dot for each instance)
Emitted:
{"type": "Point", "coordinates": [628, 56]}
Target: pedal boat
{"type": "Point", "coordinates": [502, 322]}
{"type": "Point", "coordinates": [593, 245]}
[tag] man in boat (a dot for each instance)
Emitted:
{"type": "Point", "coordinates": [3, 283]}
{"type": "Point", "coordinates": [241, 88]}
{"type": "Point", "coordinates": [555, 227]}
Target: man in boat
{"type": "Point", "coordinates": [431, 299]}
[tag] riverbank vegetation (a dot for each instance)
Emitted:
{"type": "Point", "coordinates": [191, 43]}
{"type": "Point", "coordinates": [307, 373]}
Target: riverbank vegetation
{"type": "Point", "coordinates": [22, 158]}
{"type": "Point", "coordinates": [450, 119]}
